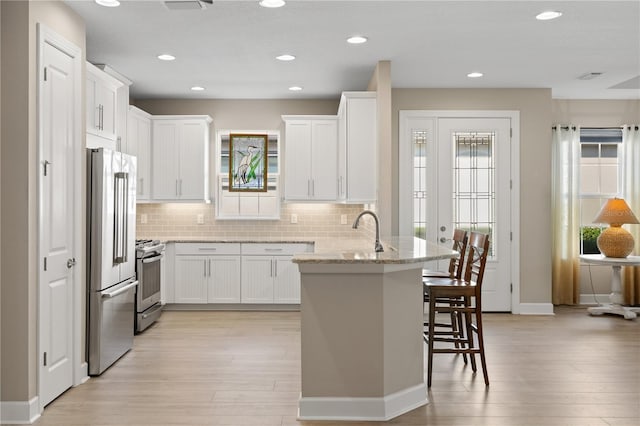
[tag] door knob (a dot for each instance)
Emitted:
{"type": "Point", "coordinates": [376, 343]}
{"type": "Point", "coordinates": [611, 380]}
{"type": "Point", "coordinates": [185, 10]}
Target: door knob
{"type": "Point", "coordinates": [443, 240]}
{"type": "Point", "coordinates": [71, 262]}
{"type": "Point", "coordinates": [443, 228]}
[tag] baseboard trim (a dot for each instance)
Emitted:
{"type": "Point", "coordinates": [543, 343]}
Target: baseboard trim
{"type": "Point", "coordinates": [19, 412]}
{"type": "Point", "coordinates": [82, 374]}
{"type": "Point", "coordinates": [536, 309]}
{"type": "Point", "coordinates": [363, 409]}
{"type": "Point", "coordinates": [590, 299]}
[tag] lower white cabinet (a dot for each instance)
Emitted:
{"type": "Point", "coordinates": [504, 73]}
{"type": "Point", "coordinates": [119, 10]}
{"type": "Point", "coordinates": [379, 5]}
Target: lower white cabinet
{"type": "Point", "coordinates": [268, 275]}
{"type": "Point", "coordinates": [207, 273]}
{"type": "Point", "coordinates": [237, 273]}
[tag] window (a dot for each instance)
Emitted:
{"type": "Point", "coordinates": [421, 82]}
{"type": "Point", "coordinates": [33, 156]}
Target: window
{"type": "Point", "coordinates": [600, 178]}
{"type": "Point", "coordinates": [250, 205]}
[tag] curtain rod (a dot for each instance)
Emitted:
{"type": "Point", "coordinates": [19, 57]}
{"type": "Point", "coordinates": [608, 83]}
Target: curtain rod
{"type": "Point", "coordinates": [599, 128]}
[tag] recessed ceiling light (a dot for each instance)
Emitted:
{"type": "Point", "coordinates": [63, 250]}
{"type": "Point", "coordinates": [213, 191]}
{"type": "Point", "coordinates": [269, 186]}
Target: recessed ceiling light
{"type": "Point", "coordinates": [357, 40]}
{"type": "Point", "coordinates": [295, 88]}
{"type": "Point", "coordinates": [285, 57]}
{"type": "Point", "coordinates": [166, 57]}
{"type": "Point", "coordinates": [108, 3]}
{"type": "Point", "coordinates": [272, 3]}
{"type": "Point", "coordinates": [550, 14]}
{"type": "Point", "coordinates": [197, 88]}
{"type": "Point", "coordinates": [474, 74]}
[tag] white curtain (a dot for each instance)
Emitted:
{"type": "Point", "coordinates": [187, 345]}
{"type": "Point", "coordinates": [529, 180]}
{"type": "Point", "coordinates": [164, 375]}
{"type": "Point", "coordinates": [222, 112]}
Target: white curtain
{"type": "Point", "coordinates": [631, 194]}
{"type": "Point", "coordinates": [565, 212]}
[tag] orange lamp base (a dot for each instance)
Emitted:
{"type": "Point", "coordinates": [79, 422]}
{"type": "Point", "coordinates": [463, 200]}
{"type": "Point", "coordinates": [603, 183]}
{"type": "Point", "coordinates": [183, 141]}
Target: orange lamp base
{"type": "Point", "coordinates": [615, 242]}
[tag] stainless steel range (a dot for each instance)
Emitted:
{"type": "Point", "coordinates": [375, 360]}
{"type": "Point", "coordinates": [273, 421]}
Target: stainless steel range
{"type": "Point", "coordinates": [148, 272]}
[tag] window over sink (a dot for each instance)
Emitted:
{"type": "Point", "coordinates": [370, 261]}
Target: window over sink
{"type": "Point", "coordinates": [247, 205]}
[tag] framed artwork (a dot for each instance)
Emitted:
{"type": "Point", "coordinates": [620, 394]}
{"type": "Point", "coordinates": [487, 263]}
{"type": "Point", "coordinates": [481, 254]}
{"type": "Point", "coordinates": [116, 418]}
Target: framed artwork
{"type": "Point", "coordinates": [247, 163]}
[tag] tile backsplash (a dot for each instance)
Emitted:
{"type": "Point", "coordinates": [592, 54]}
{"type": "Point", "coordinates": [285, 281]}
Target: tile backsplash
{"type": "Point", "coordinates": [178, 220]}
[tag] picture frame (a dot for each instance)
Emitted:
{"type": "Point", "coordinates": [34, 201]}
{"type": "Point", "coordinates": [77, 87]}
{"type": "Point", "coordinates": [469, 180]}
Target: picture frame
{"type": "Point", "coordinates": [247, 162]}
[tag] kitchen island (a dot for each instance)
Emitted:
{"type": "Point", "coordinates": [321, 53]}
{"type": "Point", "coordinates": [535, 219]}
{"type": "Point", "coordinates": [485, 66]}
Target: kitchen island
{"type": "Point", "coordinates": [361, 330]}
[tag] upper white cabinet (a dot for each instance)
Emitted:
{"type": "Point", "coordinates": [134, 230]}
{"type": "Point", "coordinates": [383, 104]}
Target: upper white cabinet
{"type": "Point", "coordinates": [138, 143]}
{"type": "Point", "coordinates": [311, 160]}
{"type": "Point", "coordinates": [180, 158]}
{"type": "Point", "coordinates": [102, 92]}
{"type": "Point", "coordinates": [357, 147]}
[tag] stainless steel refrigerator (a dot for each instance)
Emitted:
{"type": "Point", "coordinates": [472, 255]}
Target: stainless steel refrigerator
{"type": "Point", "coordinates": [111, 281]}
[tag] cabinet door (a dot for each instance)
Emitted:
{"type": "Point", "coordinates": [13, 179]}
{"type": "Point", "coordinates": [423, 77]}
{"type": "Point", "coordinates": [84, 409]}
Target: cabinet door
{"type": "Point", "coordinates": [297, 160]}
{"type": "Point", "coordinates": [106, 98]}
{"type": "Point", "coordinates": [286, 285]}
{"type": "Point", "coordinates": [191, 279]}
{"type": "Point", "coordinates": [361, 150]}
{"type": "Point", "coordinates": [224, 279]}
{"type": "Point", "coordinates": [139, 144]}
{"type": "Point", "coordinates": [193, 159]}
{"type": "Point", "coordinates": [257, 279]}
{"type": "Point", "coordinates": [164, 153]}
{"type": "Point", "coordinates": [324, 159]}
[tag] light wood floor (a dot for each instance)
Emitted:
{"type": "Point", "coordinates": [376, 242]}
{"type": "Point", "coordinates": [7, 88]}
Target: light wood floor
{"type": "Point", "coordinates": [243, 368]}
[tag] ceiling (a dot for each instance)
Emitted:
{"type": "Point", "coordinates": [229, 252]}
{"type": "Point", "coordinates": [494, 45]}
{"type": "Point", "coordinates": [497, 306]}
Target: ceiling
{"type": "Point", "coordinates": [229, 47]}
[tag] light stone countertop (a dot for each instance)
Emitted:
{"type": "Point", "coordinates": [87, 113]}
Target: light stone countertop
{"type": "Point", "coordinates": [397, 250]}
{"type": "Point", "coordinates": [257, 240]}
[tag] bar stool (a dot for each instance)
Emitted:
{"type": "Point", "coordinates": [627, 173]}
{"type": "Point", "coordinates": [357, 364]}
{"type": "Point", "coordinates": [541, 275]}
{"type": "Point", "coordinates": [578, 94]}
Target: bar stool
{"type": "Point", "coordinates": [440, 291]}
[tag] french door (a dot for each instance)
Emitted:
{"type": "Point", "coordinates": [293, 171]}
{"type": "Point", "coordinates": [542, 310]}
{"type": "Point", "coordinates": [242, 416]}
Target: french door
{"type": "Point", "coordinates": [455, 172]}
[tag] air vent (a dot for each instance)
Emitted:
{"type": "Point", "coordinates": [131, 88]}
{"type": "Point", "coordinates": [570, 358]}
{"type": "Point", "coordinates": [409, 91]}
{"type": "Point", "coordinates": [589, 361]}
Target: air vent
{"type": "Point", "coordinates": [589, 76]}
{"type": "Point", "coordinates": [184, 5]}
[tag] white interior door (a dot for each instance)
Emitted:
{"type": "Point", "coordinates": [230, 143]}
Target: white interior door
{"type": "Point", "coordinates": [456, 173]}
{"type": "Point", "coordinates": [57, 232]}
{"type": "Point", "coordinates": [473, 193]}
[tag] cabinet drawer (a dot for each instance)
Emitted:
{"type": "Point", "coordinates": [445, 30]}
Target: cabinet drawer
{"type": "Point", "coordinates": [207, 248]}
{"type": "Point", "coordinates": [273, 249]}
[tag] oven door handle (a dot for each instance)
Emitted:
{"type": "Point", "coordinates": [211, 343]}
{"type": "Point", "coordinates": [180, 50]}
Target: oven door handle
{"type": "Point", "coordinates": [152, 258]}
{"type": "Point", "coordinates": [152, 311]}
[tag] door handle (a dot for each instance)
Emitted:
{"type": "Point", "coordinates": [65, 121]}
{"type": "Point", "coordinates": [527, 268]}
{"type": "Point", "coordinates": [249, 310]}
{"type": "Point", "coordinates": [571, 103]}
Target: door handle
{"type": "Point", "coordinates": [443, 240]}
{"type": "Point", "coordinates": [71, 262]}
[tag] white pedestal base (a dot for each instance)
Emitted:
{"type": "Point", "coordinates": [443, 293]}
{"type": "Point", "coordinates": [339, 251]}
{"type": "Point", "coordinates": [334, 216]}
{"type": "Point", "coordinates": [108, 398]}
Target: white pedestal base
{"type": "Point", "coordinates": [628, 312]}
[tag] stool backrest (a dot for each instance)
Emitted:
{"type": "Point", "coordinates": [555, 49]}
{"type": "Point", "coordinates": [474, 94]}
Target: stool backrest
{"type": "Point", "coordinates": [477, 252]}
{"type": "Point", "coordinates": [460, 239]}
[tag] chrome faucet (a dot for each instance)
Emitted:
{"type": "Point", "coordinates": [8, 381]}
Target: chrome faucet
{"type": "Point", "coordinates": [379, 247]}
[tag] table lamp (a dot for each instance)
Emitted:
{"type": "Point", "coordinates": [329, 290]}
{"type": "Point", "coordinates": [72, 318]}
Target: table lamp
{"type": "Point", "coordinates": [615, 241]}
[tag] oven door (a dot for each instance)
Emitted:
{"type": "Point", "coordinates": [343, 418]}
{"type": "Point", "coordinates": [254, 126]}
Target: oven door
{"type": "Point", "coordinates": [149, 282]}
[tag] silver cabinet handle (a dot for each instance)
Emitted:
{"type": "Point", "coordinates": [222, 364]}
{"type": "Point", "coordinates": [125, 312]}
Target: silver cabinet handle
{"type": "Point", "coordinates": [272, 249]}
{"type": "Point", "coordinates": [207, 248]}
{"type": "Point", "coordinates": [204, 271]}
{"type": "Point", "coordinates": [71, 262]}
{"type": "Point", "coordinates": [209, 267]}
{"type": "Point", "coordinates": [180, 188]}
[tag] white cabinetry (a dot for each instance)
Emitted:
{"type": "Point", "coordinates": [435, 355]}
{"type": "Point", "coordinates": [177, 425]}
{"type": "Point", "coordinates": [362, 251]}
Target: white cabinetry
{"type": "Point", "coordinates": [357, 147]}
{"type": "Point", "coordinates": [139, 144]}
{"type": "Point", "coordinates": [268, 275]}
{"type": "Point", "coordinates": [311, 158]}
{"type": "Point", "coordinates": [207, 273]}
{"type": "Point", "coordinates": [102, 92]}
{"type": "Point", "coordinates": [180, 158]}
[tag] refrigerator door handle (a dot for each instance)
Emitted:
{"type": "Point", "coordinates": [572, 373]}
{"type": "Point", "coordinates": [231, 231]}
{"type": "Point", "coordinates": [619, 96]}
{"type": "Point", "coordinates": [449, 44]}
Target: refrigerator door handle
{"type": "Point", "coordinates": [125, 212]}
{"type": "Point", "coordinates": [120, 218]}
{"type": "Point", "coordinates": [120, 290]}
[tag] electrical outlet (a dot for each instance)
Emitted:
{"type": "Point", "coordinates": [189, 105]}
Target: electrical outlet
{"type": "Point", "coordinates": [294, 218]}
{"type": "Point", "coordinates": [200, 219]}
{"type": "Point", "coordinates": [143, 218]}
{"type": "Point", "coordinates": [343, 219]}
